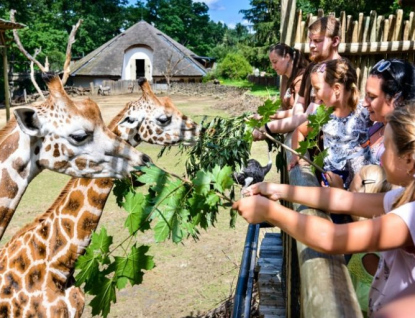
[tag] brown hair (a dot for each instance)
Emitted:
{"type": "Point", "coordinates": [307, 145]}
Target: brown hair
{"type": "Point", "coordinates": [328, 26]}
{"type": "Point", "coordinates": [299, 61]}
{"type": "Point", "coordinates": [402, 123]}
{"type": "Point", "coordinates": [340, 71]}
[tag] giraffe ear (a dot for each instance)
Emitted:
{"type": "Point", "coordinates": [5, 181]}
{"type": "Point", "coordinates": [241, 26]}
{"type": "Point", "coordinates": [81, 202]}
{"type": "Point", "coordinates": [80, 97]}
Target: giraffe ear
{"type": "Point", "coordinates": [28, 121]}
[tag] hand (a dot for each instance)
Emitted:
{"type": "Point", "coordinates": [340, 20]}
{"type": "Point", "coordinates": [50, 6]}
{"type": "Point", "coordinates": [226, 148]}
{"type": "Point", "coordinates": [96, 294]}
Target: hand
{"type": "Point", "coordinates": [293, 162]}
{"type": "Point", "coordinates": [257, 135]}
{"type": "Point", "coordinates": [256, 116]}
{"type": "Point", "coordinates": [253, 209]}
{"type": "Point", "coordinates": [272, 191]}
{"type": "Point", "coordinates": [334, 180]}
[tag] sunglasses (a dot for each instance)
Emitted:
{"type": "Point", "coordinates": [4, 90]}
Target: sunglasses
{"type": "Point", "coordinates": [386, 65]}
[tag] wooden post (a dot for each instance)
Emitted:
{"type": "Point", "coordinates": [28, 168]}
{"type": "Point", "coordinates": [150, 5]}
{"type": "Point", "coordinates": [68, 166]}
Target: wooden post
{"type": "Point", "coordinates": [6, 83]}
{"type": "Point", "coordinates": [288, 8]}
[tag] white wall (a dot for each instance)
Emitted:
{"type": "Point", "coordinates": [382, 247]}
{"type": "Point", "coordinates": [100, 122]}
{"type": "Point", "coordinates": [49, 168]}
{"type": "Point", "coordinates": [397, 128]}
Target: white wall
{"type": "Point", "coordinates": [137, 53]}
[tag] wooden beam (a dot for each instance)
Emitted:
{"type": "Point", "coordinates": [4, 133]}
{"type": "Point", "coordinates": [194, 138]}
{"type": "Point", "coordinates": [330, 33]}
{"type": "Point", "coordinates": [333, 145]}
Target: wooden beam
{"type": "Point", "coordinates": [367, 48]}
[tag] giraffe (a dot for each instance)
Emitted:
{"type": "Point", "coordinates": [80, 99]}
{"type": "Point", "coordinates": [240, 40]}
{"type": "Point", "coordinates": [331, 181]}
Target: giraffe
{"type": "Point", "coordinates": [61, 135]}
{"type": "Point", "coordinates": [37, 265]}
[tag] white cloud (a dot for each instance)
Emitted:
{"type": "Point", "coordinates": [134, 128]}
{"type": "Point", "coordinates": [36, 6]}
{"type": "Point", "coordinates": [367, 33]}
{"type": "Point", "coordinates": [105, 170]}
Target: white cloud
{"type": "Point", "coordinates": [212, 4]}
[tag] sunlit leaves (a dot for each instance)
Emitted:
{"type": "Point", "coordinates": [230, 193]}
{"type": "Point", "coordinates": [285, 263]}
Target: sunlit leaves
{"type": "Point", "coordinates": [316, 121]}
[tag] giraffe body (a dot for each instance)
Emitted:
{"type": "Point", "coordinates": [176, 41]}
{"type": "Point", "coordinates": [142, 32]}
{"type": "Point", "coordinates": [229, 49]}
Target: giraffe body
{"type": "Point", "coordinates": [36, 266]}
{"type": "Point", "coordinates": [61, 135]}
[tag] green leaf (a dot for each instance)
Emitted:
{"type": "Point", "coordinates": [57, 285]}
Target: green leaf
{"type": "Point", "coordinates": [88, 266]}
{"type": "Point", "coordinates": [132, 266]}
{"type": "Point", "coordinates": [120, 190]}
{"type": "Point", "coordinates": [137, 219]}
{"type": "Point", "coordinates": [101, 241]}
{"type": "Point", "coordinates": [151, 175]}
{"type": "Point", "coordinates": [212, 199]}
{"type": "Point", "coordinates": [104, 295]}
{"type": "Point", "coordinates": [202, 182]}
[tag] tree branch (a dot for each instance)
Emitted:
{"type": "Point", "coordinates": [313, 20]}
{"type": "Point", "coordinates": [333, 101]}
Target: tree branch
{"type": "Point", "coordinates": [32, 74]}
{"type": "Point", "coordinates": [71, 40]}
{"type": "Point", "coordinates": [20, 46]}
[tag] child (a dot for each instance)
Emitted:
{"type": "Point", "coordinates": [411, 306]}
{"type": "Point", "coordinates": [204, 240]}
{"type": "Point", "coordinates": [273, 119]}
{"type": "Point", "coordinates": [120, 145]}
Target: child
{"type": "Point", "coordinates": [362, 266]}
{"type": "Point", "coordinates": [334, 82]}
{"type": "Point", "coordinates": [393, 232]}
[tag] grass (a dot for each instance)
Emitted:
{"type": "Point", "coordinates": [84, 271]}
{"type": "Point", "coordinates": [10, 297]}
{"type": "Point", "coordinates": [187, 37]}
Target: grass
{"type": "Point", "coordinates": [255, 89]}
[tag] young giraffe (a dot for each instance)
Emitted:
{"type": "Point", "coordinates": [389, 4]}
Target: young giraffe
{"type": "Point", "coordinates": [37, 265]}
{"type": "Point", "coordinates": [61, 135]}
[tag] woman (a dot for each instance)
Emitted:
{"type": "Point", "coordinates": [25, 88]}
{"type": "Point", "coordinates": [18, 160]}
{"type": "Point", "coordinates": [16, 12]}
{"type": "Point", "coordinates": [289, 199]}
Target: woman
{"type": "Point", "coordinates": [291, 64]}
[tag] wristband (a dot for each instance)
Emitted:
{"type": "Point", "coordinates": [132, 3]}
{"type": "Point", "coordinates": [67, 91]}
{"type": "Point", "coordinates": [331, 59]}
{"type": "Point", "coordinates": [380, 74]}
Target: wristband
{"type": "Point", "coordinates": [268, 130]}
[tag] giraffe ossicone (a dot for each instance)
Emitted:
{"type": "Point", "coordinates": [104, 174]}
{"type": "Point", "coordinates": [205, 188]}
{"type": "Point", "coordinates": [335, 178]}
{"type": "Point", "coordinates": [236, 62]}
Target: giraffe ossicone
{"type": "Point", "coordinates": [36, 266]}
{"type": "Point", "coordinates": [62, 135]}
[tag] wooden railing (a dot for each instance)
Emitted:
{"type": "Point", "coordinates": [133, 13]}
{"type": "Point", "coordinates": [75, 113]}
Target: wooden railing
{"type": "Point", "coordinates": [317, 284]}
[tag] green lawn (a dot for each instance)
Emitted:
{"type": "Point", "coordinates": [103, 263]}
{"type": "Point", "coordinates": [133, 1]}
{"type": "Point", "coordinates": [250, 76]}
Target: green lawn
{"type": "Point", "coordinates": [257, 90]}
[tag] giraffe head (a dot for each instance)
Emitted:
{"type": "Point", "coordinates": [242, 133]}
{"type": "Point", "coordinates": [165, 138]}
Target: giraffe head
{"type": "Point", "coordinates": [71, 137]}
{"type": "Point", "coordinates": [154, 120]}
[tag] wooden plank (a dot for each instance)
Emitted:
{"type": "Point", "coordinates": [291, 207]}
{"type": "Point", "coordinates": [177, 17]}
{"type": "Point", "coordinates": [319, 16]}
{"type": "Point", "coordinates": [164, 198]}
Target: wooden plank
{"type": "Point", "coordinates": [412, 26]}
{"type": "Point", "coordinates": [365, 31]}
{"type": "Point", "coordinates": [303, 33]}
{"type": "Point", "coordinates": [368, 48]}
{"type": "Point", "coordinates": [392, 24]}
{"type": "Point", "coordinates": [343, 26]}
{"type": "Point", "coordinates": [386, 27]}
{"type": "Point", "coordinates": [360, 27]}
{"type": "Point", "coordinates": [397, 35]}
{"type": "Point", "coordinates": [373, 26]}
{"type": "Point", "coordinates": [405, 33]}
{"type": "Point", "coordinates": [355, 32]}
{"type": "Point", "coordinates": [298, 32]}
{"type": "Point", "coordinates": [380, 25]}
{"type": "Point", "coordinates": [320, 13]}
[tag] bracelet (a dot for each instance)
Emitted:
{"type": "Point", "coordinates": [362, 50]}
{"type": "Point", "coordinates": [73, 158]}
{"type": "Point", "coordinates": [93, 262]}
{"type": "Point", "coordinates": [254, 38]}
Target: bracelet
{"type": "Point", "coordinates": [268, 130]}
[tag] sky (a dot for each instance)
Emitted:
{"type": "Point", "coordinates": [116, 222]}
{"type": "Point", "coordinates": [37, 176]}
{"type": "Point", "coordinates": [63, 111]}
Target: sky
{"type": "Point", "coordinates": [225, 11]}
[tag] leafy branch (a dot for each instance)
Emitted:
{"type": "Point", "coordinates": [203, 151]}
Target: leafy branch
{"type": "Point", "coordinates": [316, 121]}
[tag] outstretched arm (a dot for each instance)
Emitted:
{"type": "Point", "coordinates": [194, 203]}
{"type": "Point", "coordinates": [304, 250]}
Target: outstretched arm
{"type": "Point", "coordinates": [332, 200]}
{"type": "Point", "coordinates": [382, 233]}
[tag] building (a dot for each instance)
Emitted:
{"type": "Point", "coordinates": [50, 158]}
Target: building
{"type": "Point", "coordinates": [142, 50]}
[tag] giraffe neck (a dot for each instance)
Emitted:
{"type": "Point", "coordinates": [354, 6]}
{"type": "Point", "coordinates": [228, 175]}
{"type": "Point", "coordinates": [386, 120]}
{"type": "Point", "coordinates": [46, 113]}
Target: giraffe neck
{"type": "Point", "coordinates": [18, 167]}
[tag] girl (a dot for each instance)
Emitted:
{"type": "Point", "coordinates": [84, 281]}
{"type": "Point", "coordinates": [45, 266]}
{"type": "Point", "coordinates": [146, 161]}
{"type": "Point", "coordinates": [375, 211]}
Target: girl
{"type": "Point", "coordinates": [390, 84]}
{"type": "Point", "coordinates": [393, 232]}
{"type": "Point", "coordinates": [291, 64]}
{"type": "Point", "coordinates": [334, 82]}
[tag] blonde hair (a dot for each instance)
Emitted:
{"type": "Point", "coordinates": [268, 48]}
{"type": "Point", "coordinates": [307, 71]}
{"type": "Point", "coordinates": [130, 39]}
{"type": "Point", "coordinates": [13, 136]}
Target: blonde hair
{"type": "Point", "coordinates": [328, 26]}
{"type": "Point", "coordinates": [402, 123]}
{"type": "Point", "coordinates": [373, 180]}
{"type": "Point", "coordinates": [340, 71]}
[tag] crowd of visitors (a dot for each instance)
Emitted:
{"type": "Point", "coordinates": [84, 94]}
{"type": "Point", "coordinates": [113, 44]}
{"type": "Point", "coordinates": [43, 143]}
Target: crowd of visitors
{"type": "Point", "coordinates": [369, 169]}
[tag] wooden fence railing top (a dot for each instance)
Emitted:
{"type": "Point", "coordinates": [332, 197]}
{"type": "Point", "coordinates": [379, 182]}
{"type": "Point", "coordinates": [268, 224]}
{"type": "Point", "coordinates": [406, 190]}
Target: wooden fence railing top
{"type": "Point", "coordinates": [371, 34]}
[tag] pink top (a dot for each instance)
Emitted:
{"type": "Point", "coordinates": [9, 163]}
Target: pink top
{"type": "Point", "coordinates": [396, 272]}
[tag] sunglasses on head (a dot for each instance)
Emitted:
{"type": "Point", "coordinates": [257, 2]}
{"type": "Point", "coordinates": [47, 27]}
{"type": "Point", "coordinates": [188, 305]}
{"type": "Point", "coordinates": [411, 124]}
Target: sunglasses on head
{"type": "Point", "coordinates": [386, 65]}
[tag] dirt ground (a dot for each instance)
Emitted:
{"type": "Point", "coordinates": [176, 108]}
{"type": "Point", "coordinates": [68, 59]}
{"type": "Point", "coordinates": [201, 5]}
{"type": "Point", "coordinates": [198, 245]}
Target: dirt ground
{"type": "Point", "coordinates": [190, 278]}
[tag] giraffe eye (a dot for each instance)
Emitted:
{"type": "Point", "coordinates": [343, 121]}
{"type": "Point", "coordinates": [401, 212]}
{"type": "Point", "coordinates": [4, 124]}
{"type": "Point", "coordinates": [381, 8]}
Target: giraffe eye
{"type": "Point", "coordinates": [79, 137]}
{"type": "Point", "coordinates": [164, 120]}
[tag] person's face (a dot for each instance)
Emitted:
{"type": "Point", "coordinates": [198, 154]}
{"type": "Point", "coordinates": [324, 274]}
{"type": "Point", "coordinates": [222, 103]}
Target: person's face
{"type": "Point", "coordinates": [398, 169]}
{"type": "Point", "coordinates": [322, 89]}
{"type": "Point", "coordinates": [376, 100]}
{"type": "Point", "coordinates": [279, 63]}
{"type": "Point", "coordinates": [321, 47]}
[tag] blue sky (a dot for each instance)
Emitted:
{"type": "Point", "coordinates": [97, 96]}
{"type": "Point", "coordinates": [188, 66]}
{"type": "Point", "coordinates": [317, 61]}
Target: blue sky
{"type": "Point", "coordinates": [225, 11]}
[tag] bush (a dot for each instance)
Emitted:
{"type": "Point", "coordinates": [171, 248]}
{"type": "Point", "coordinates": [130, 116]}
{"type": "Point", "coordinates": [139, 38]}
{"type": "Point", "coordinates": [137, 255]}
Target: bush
{"type": "Point", "coordinates": [234, 66]}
